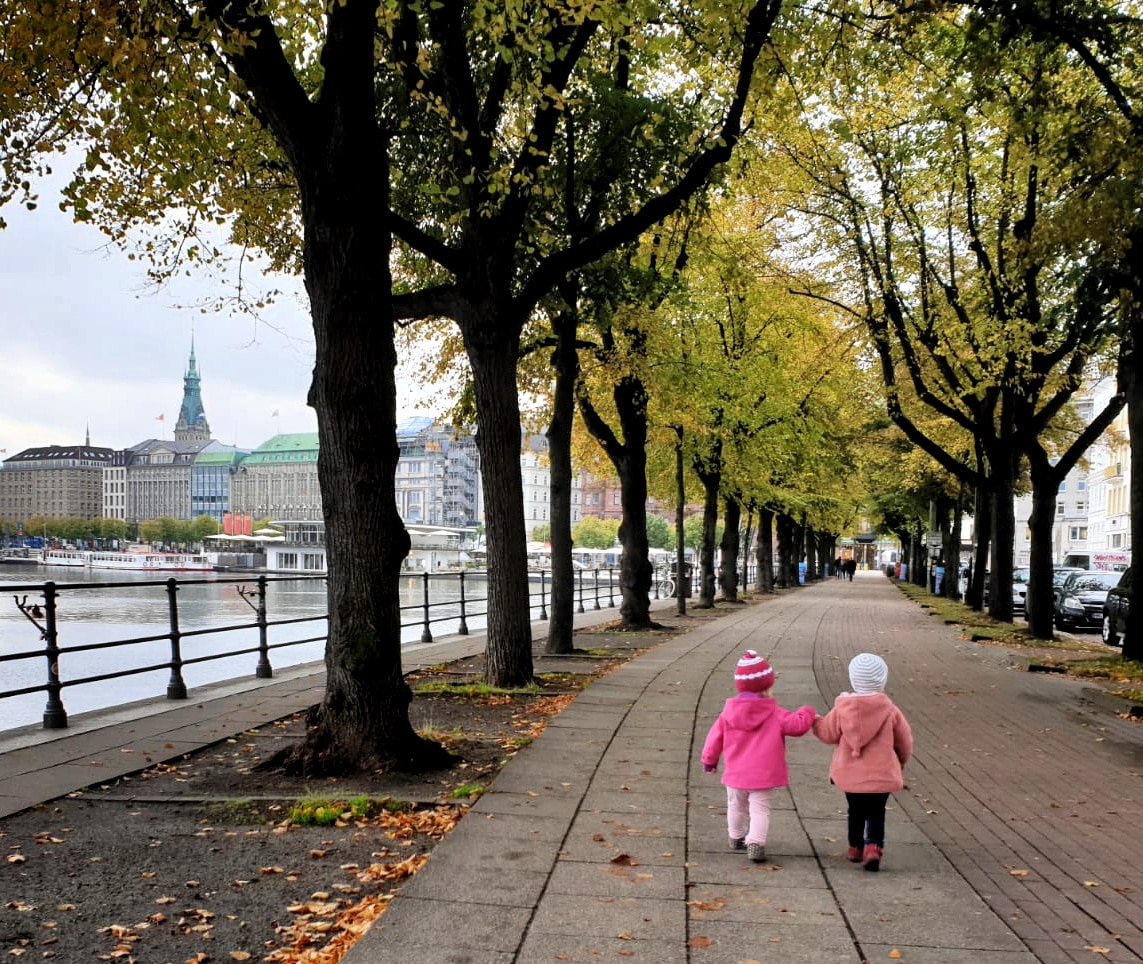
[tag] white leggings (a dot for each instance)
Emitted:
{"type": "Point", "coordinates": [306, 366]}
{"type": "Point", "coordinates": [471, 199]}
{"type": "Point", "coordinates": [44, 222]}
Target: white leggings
{"type": "Point", "coordinates": [748, 814]}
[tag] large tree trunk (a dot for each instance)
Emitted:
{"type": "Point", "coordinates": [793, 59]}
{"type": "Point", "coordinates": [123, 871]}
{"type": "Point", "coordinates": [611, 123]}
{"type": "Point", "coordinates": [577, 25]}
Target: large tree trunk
{"type": "Point", "coordinates": [508, 652]}
{"type": "Point", "coordinates": [630, 460]}
{"type": "Point", "coordinates": [565, 361]}
{"type": "Point", "coordinates": [728, 569]}
{"type": "Point", "coordinates": [1003, 538]}
{"type": "Point", "coordinates": [785, 526]}
{"type": "Point", "coordinates": [680, 519]}
{"type": "Point", "coordinates": [1038, 602]}
{"type": "Point", "coordinates": [1130, 385]}
{"type": "Point", "coordinates": [710, 483]}
{"type": "Point", "coordinates": [362, 721]}
{"type": "Point", "coordinates": [765, 578]}
{"type": "Point", "coordinates": [982, 543]}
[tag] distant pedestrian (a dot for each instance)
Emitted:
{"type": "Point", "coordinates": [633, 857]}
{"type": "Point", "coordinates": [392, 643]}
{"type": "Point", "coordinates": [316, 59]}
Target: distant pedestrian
{"type": "Point", "coordinates": [874, 741]}
{"type": "Point", "coordinates": [850, 568]}
{"type": "Point", "coordinates": [750, 734]}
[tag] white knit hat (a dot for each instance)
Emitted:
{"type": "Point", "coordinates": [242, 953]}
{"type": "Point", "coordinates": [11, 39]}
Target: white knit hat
{"type": "Point", "coordinates": [868, 673]}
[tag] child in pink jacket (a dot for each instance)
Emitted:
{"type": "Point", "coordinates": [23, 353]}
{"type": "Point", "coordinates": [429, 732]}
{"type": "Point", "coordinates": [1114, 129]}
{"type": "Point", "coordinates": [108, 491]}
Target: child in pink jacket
{"type": "Point", "coordinates": [873, 742]}
{"type": "Point", "coordinates": [750, 733]}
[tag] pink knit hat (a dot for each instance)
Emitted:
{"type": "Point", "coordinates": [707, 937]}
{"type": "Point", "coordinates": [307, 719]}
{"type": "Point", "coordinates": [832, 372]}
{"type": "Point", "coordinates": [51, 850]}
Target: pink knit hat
{"type": "Point", "coordinates": [753, 674]}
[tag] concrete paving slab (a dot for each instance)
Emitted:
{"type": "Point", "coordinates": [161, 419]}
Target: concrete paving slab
{"type": "Point", "coordinates": [625, 799]}
{"type": "Point", "coordinates": [939, 954]}
{"type": "Point", "coordinates": [558, 949]}
{"type": "Point", "coordinates": [774, 904]}
{"type": "Point", "coordinates": [618, 879]}
{"type": "Point", "coordinates": [589, 918]}
{"type": "Point", "coordinates": [537, 804]}
{"type": "Point", "coordinates": [481, 929]}
{"type": "Point", "coordinates": [720, 942]}
{"type": "Point", "coordinates": [735, 869]}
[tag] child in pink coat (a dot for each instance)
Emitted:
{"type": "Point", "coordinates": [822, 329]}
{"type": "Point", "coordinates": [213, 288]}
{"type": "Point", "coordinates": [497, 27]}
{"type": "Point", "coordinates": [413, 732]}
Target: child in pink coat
{"type": "Point", "coordinates": [873, 741]}
{"type": "Point", "coordinates": [750, 733]}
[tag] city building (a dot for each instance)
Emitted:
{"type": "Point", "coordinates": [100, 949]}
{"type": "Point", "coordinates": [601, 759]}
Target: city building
{"type": "Point", "coordinates": [279, 480]}
{"type": "Point", "coordinates": [211, 475]}
{"type": "Point", "coordinates": [53, 481]}
{"type": "Point", "coordinates": [438, 475]}
{"type": "Point", "coordinates": [1109, 491]}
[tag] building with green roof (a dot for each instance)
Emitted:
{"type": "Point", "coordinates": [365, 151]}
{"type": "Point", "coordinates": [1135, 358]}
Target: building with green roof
{"type": "Point", "coordinates": [279, 480]}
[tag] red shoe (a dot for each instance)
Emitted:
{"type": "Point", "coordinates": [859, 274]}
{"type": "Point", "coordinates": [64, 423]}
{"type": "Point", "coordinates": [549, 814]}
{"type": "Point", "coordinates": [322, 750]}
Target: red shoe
{"type": "Point", "coordinates": [872, 857]}
{"type": "Point", "coordinates": [854, 855]}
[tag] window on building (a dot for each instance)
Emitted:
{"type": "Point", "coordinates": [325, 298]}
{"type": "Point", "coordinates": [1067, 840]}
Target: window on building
{"type": "Point", "coordinates": [1078, 533]}
{"type": "Point", "coordinates": [1081, 484]}
{"type": "Point", "coordinates": [1063, 486]}
{"type": "Point", "coordinates": [1117, 540]}
{"type": "Point", "coordinates": [1059, 508]}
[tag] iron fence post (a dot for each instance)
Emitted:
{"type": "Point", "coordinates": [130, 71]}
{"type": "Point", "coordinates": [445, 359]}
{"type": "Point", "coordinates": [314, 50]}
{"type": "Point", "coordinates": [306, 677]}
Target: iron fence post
{"type": "Point", "coordinates": [543, 603]}
{"type": "Point", "coordinates": [610, 589]}
{"type": "Point", "coordinates": [176, 687]}
{"type": "Point", "coordinates": [596, 574]}
{"type": "Point", "coordinates": [55, 716]}
{"type": "Point", "coordinates": [264, 670]}
{"type": "Point", "coordinates": [426, 634]}
{"type": "Point", "coordinates": [579, 576]}
{"type": "Point", "coordinates": [463, 628]}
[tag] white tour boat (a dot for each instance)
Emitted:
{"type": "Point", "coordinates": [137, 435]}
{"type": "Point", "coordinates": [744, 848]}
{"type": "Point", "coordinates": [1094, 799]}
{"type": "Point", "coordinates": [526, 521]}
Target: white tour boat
{"type": "Point", "coordinates": [136, 561]}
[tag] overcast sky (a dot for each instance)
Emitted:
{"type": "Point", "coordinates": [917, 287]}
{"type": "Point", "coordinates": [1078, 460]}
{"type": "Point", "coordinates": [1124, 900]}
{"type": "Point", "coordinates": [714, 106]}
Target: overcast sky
{"type": "Point", "coordinates": [88, 346]}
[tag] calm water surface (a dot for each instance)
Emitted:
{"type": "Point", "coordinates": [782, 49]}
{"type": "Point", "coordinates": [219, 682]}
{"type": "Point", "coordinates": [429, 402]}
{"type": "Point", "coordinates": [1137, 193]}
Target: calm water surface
{"type": "Point", "coordinates": [129, 610]}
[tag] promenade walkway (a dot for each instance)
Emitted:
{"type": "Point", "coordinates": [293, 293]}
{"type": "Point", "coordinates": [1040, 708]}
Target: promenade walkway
{"type": "Point", "coordinates": [1017, 839]}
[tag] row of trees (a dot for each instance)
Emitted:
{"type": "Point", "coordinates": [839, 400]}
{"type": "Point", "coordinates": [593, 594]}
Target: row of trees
{"type": "Point", "coordinates": [736, 241]}
{"type": "Point", "coordinates": [166, 529]}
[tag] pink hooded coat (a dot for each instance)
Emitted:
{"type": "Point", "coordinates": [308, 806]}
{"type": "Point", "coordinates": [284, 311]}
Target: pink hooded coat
{"type": "Point", "coordinates": [873, 742]}
{"type": "Point", "coordinates": [750, 733]}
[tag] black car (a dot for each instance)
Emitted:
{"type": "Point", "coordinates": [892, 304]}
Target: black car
{"type": "Point", "coordinates": [1115, 610]}
{"type": "Point", "coordinates": [1079, 604]}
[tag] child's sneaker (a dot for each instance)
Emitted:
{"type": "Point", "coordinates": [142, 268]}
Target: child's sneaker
{"type": "Point", "coordinates": [756, 852]}
{"type": "Point", "coordinates": [872, 857]}
{"type": "Point", "coordinates": [737, 843]}
{"type": "Point", "coordinates": [853, 855]}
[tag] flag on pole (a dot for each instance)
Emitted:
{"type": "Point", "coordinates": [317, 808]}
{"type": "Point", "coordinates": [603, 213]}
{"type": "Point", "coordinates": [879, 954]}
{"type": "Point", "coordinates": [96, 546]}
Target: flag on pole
{"type": "Point", "coordinates": [160, 418]}
{"type": "Point", "coordinates": [274, 414]}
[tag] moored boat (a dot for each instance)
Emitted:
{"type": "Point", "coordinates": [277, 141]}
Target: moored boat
{"type": "Point", "coordinates": [136, 561]}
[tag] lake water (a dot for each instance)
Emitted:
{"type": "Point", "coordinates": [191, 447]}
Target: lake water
{"type": "Point", "coordinates": [128, 609]}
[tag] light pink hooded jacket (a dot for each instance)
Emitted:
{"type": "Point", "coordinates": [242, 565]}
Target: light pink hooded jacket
{"type": "Point", "coordinates": [873, 742]}
{"type": "Point", "coordinates": [750, 734]}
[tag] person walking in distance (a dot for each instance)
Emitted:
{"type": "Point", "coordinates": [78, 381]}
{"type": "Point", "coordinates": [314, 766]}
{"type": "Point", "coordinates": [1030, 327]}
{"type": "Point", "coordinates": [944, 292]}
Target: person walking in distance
{"type": "Point", "coordinates": [873, 742]}
{"type": "Point", "coordinates": [750, 735]}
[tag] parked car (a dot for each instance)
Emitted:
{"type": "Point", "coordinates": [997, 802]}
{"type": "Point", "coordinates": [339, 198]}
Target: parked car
{"type": "Point", "coordinates": [1059, 577]}
{"type": "Point", "coordinates": [1115, 610]}
{"type": "Point", "coordinates": [1081, 597]}
{"type": "Point", "coordinates": [1020, 589]}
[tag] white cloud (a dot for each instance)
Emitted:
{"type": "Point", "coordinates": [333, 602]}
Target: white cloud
{"type": "Point", "coordinates": [87, 345]}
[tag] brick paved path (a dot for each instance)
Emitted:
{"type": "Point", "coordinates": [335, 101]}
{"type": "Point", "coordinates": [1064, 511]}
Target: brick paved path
{"type": "Point", "coordinates": [1027, 783]}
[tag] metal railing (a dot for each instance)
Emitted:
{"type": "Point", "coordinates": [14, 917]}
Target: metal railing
{"type": "Point", "coordinates": [594, 588]}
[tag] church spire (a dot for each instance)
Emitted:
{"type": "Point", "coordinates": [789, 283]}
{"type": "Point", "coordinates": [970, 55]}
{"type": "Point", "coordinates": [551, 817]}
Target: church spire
{"type": "Point", "coordinates": [192, 424]}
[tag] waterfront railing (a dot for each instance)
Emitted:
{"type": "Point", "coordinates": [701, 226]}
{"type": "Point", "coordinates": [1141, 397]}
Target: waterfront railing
{"type": "Point", "coordinates": [446, 597]}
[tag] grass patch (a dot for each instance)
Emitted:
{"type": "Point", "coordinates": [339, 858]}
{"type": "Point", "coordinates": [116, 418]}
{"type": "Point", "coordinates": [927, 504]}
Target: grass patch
{"type": "Point", "coordinates": [980, 627]}
{"type": "Point", "coordinates": [322, 812]}
{"type": "Point", "coordinates": [470, 689]}
{"type": "Point", "coordinates": [467, 791]}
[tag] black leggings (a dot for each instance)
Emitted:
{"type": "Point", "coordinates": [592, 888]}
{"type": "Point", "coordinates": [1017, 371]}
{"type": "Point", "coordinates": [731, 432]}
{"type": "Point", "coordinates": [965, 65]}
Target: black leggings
{"type": "Point", "coordinates": [866, 824]}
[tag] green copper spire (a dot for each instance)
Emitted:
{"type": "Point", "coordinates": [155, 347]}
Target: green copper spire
{"type": "Point", "coordinates": [192, 422]}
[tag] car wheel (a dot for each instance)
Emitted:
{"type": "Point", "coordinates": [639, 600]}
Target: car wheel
{"type": "Point", "coordinates": [1107, 631]}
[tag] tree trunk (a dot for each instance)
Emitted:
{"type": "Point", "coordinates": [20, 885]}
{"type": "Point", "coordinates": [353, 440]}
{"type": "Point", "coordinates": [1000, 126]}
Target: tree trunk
{"type": "Point", "coordinates": [745, 551]}
{"type": "Point", "coordinates": [710, 484]}
{"type": "Point", "coordinates": [362, 721]}
{"type": "Point", "coordinates": [1003, 480]}
{"type": "Point", "coordinates": [1039, 606]}
{"type": "Point", "coordinates": [982, 543]}
{"type": "Point", "coordinates": [1130, 386]}
{"type": "Point", "coordinates": [508, 652]}
{"type": "Point", "coordinates": [785, 527]}
{"type": "Point", "coordinates": [565, 361]}
{"type": "Point", "coordinates": [765, 578]}
{"type": "Point", "coordinates": [811, 554]}
{"type": "Point", "coordinates": [680, 528]}
{"type": "Point", "coordinates": [728, 568]}
{"type": "Point", "coordinates": [630, 460]}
